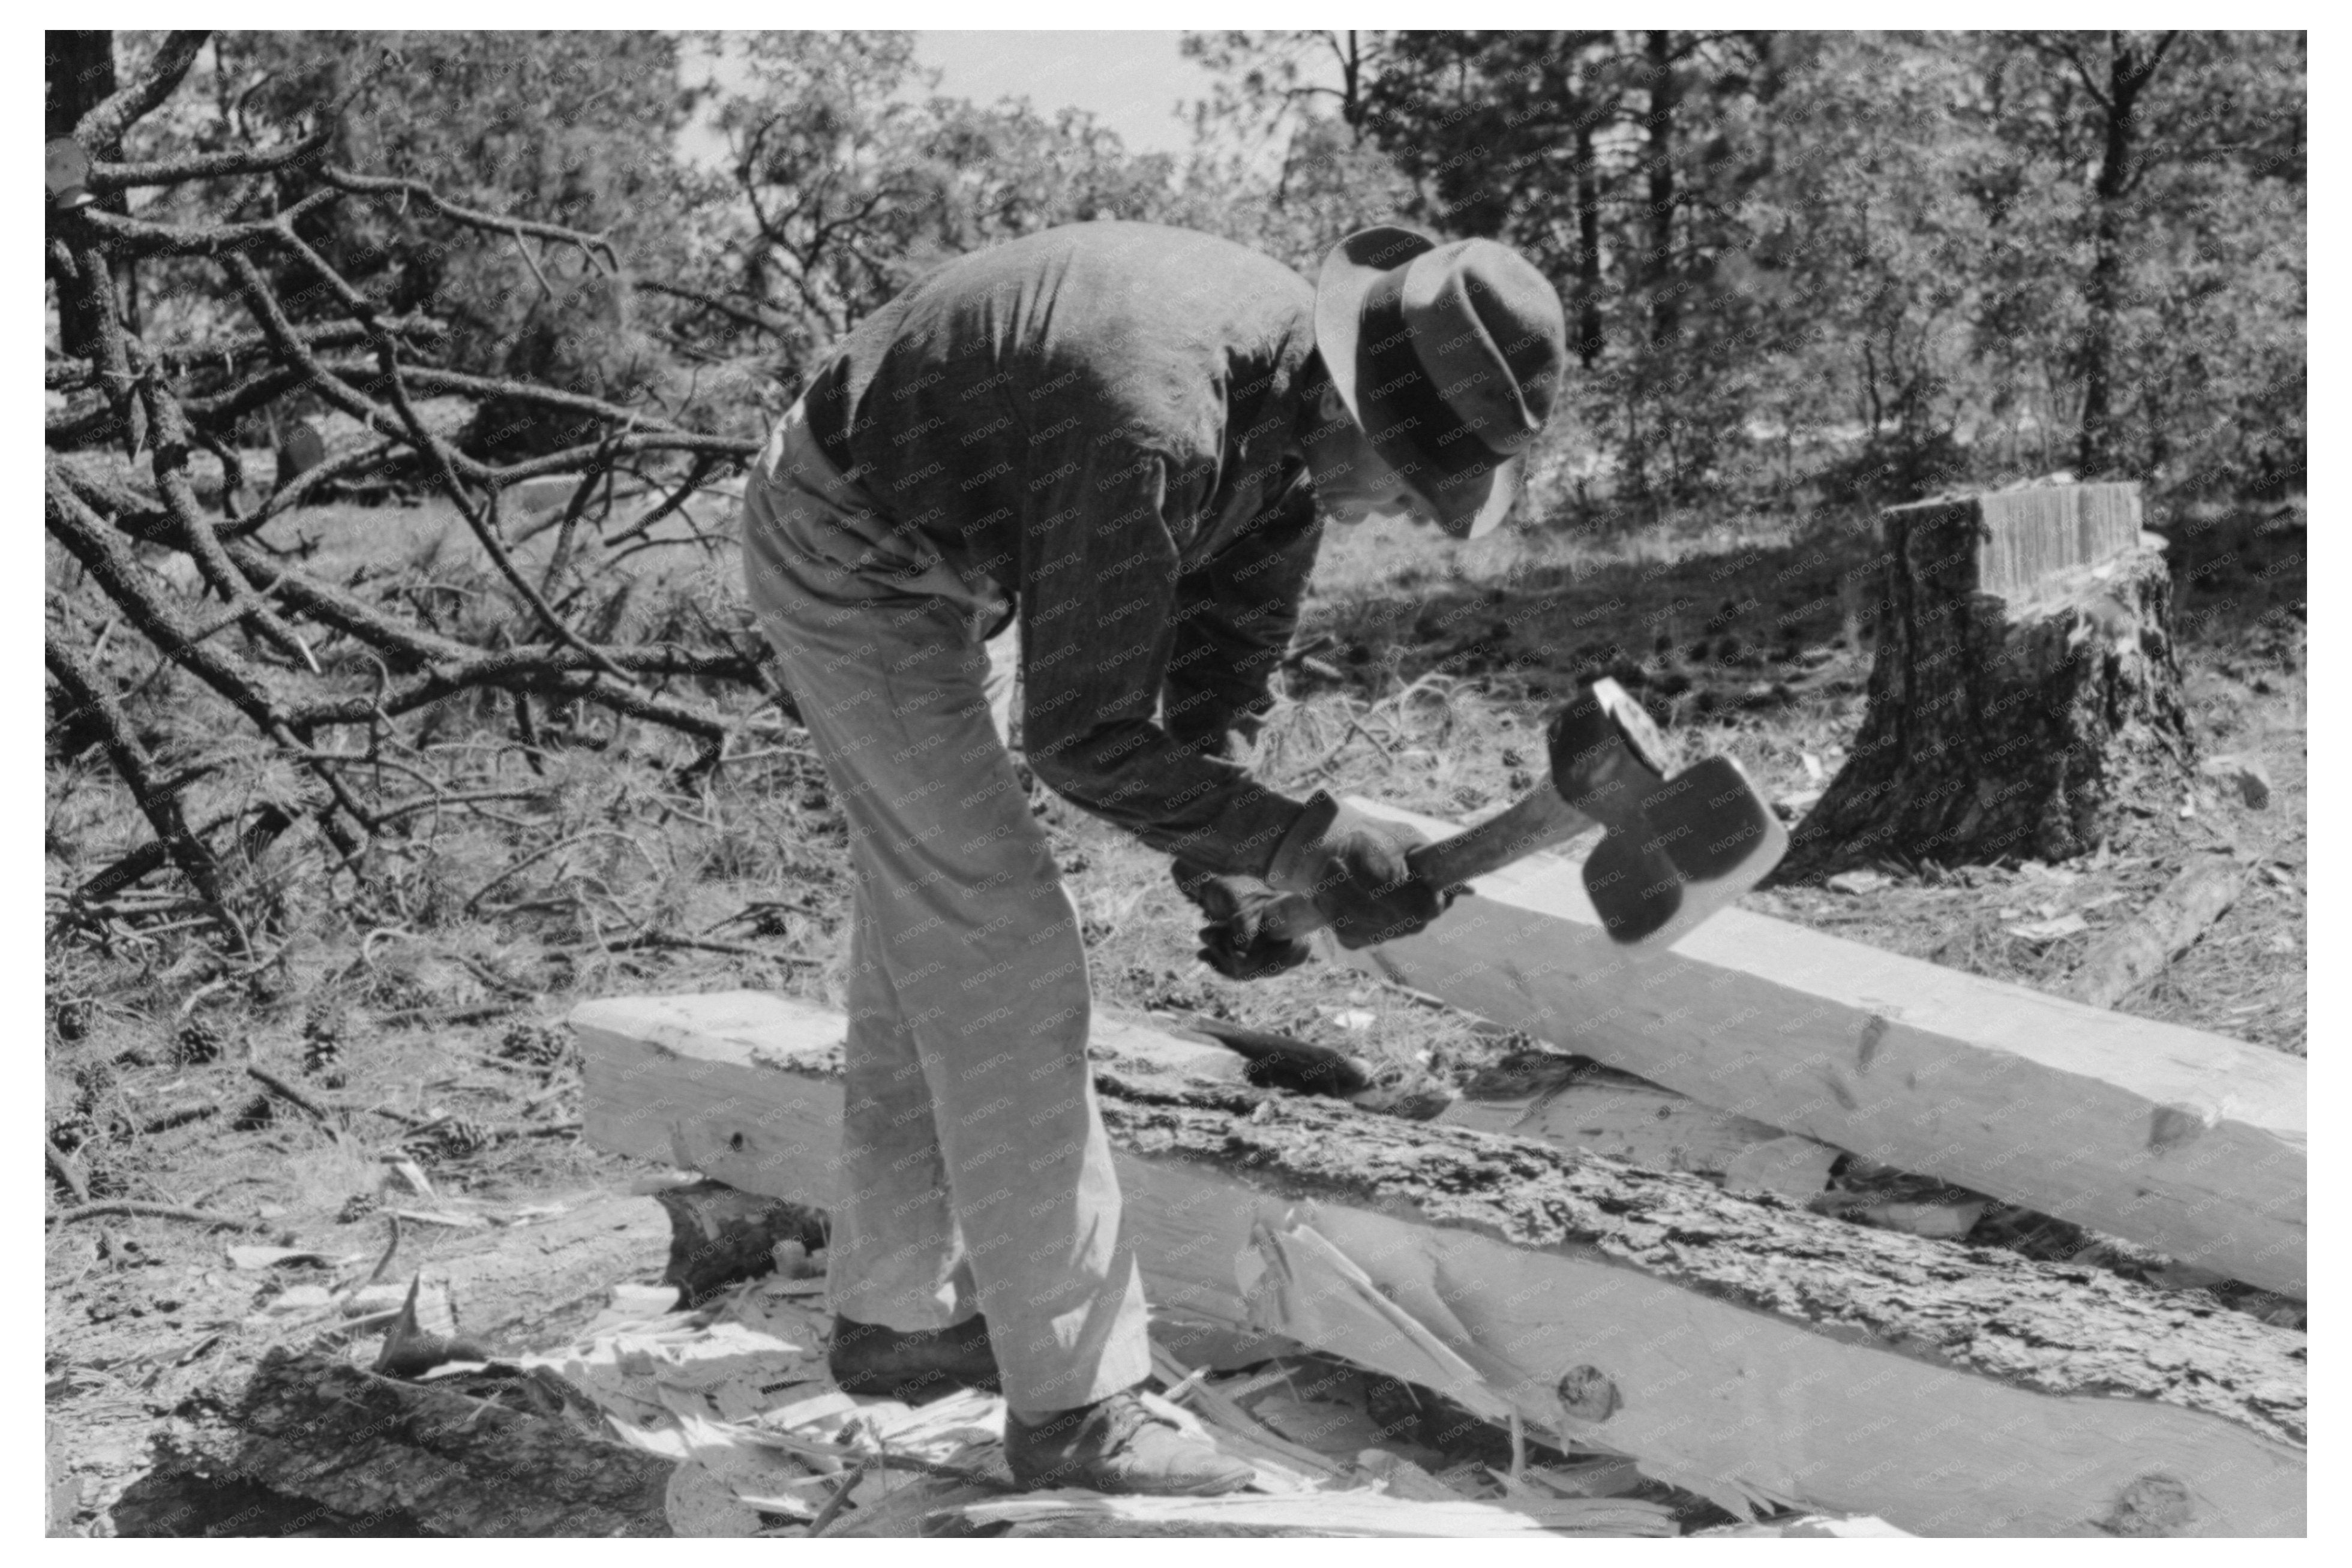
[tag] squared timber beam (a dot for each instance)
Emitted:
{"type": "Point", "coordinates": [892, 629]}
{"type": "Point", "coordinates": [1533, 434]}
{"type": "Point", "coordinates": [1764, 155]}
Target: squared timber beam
{"type": "Point", "coordinates": [1749, 1350]}
{"type": "Point", "coordinates": [2187, 1142]}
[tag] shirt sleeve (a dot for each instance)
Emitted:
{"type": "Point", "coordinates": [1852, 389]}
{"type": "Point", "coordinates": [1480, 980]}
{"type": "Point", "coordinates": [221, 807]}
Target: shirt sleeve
{"type": "Point", "coordinates": [1234, 618]}
{"type": "Point", "coordinates": [1099, 601]}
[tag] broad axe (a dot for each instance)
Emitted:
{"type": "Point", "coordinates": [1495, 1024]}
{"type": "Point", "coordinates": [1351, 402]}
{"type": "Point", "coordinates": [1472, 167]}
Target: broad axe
{"type": "Point", "coordinates": [1676, 850]}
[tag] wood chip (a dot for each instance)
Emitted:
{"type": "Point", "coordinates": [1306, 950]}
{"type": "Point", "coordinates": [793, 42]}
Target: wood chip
{"type": "Point", "coordinates": [1792, 1168]}
{"type": "Point", "coordinates": [2050, 930]}
{"type": "Point", "coordinates": [271, 1257]}
{"type": "Point", "coordinates": [1339, 1514]}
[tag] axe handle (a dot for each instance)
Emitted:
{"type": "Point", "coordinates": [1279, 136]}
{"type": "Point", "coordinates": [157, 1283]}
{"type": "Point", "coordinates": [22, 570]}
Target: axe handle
{"type": "Point", "coordinates": [1539, 821]}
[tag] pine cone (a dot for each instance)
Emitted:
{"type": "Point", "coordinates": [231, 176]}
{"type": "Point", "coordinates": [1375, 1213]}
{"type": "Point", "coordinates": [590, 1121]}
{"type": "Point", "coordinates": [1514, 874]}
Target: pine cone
{"type": "Point", "coordinates": [453, 1139]}
{"type": "Point", "coordinates": [541, 1045]}
{"type": "Point", "coordinates": [319, 1053]}
{"type": "Point", "coordinates": [199, 1041]}
{"type": "Point", "coordinates": [356, 1208]}
{"type": "Point", "coordinates": [71, 1131]}
{"type": "Point", "coordinates": [462, 1136]}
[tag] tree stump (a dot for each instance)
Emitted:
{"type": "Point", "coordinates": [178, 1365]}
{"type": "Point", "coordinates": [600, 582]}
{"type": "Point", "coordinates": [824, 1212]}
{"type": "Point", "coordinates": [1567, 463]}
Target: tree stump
{"type": "Point", "coordinates": [2025, 690]}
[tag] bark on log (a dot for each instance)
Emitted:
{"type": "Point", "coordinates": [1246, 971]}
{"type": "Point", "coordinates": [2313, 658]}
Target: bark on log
{"type": "Point", "coordinates": [525, 1287]}
{"type": "Point", "coordinates": [2135, 952]}
{"type": "Point", "coordinates": [423, 1459]}
{"type": "Point", "coordinates": [2025, 688]}
{"type": "Point", "coordinates": [1755, 1350]}
{"type": "Point", "coordinates": [357, 1454]}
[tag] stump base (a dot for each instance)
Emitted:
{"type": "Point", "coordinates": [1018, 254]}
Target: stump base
{"type": "Point", "coordinates": [2025, 691]}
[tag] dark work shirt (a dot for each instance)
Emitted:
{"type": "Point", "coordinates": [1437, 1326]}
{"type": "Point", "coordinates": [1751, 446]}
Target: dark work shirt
{"type": "Point", "coordinates": [1102, 421]}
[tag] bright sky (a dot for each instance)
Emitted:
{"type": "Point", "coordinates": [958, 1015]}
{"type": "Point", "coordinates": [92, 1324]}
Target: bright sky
{"type": "Point", "coordinates": [1132, 81]}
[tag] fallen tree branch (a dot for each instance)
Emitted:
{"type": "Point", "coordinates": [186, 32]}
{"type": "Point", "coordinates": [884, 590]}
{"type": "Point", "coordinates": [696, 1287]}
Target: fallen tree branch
{"type": "Point", "coordinates": [130, 761]}
{"type": "Point", "coordinates": [732, 949]}
{"type": "Point", "coordinates": [135, 1208]}
{"type": "Point", "coordinates": [105, 178]}
{"type": "Point", "coordinates": [101, 130]}
{"type": "Point", "coordinates": [2137, 950]}
{"type": "Point", "coordinates": [472, 217]}
{"type": "Point", "coordinates": [164, 403]}
{"type": "Point", "coordinates": [746, 314]}
{"type": "Point", "coordinates": [178, 1116]}
{"type": "Point", "coordinates": [287, 1092]}
{"type": "Point", "coordinates": [68, 1170]}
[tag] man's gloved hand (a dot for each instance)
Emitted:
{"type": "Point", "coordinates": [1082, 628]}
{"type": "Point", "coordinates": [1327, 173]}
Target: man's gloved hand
{"type": "Point", "coordinates": [1353, 866]}
{"type": "Point", "coordinates": [1235, 943]}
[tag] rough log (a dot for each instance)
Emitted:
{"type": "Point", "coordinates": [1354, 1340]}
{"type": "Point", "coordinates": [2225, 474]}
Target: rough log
{"type": "Point", "coordinates": [525, 1287]}
{"type": "Point", "coordinates": [1751, 1350]}
{"type": "Point", "coordinates": [420, 1459]}
{"type": "Point", "coordinates": [2133, 953]}
{"type": "Point", "coordinates": [2186, 1142]}
{"type": "Point", "coordinates": [2025, 688]}
{"type": "Point", "coordinates": [309, 1442]}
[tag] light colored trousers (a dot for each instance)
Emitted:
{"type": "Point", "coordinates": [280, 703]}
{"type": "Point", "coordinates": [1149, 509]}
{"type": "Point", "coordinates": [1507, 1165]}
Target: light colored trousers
{"type": "Point", "coordinates": [975, 1176]}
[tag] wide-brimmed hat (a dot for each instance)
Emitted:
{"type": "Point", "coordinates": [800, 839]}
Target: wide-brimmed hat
{"type": "Point", "coordinates": [1449, 357]}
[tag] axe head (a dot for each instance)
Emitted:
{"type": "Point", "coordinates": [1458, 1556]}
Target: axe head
{"type": "Point", "coordinates": [1699, 839]}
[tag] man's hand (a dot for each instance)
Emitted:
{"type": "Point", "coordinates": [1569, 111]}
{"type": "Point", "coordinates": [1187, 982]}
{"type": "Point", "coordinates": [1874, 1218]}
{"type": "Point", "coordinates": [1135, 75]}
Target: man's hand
{"type": "Point", "coordinates": [1353, 867]}
{"type": "Point", "coordinates": [1235, 942]}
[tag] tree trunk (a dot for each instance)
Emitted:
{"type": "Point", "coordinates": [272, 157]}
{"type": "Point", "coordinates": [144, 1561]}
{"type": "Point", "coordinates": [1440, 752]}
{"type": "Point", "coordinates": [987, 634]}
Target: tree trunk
{"type": "Point", "coordinates": [1658, 125]}
{"type": "Point", "coordinates": [80, 76]}
{"type": "Point", "coordinates": [2025, 689]}
{"type": "Point", "coordinates": [79, 72]}
{"type": "Point", "coordinates": [2129, 957]}
{"type": "Point", "coordinates": [2129, 70]}
{"type": "Point", "coordinates": [1349, 48]}
{"type": "Point", "coordinates": [1588, 250]}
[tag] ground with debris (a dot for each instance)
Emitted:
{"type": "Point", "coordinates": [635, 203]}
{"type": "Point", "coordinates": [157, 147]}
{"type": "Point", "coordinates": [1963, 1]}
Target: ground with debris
{"type": "Point", "coordinates": [418, 1065]}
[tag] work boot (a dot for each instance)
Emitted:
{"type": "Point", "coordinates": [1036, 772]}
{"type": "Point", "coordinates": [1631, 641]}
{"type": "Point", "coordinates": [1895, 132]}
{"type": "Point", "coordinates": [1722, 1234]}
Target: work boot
{"type": "Point", "coordinates": [1117, 1445]}
{"type": "Point", "coordinates": [914, 1366]}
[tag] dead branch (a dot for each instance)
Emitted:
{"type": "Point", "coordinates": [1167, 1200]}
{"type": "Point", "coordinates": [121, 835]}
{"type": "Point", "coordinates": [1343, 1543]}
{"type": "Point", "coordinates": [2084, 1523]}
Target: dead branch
{"type": "Point", "coordinates": [178, 1116]}
{"type": "Point", "coordinates": [743, 312]}
{"type": "Point", "coordinates": [137, 770]}
{"type": "Point", "coordinates": [317, 654]}
{"type": "Point", "coordinates": [393, 185]}
{"type": "Point", "coordinates": [138, 237]}
{"type": "Point", "coordinates": [136, 1208]}
{"type": "Point", "coordinates": [287, 1093]}
{"type": "Point", "coordinates": [68, 1170]}
{"type": "Point", "coordinates": [101, 130]}
{"type": "Point", "coordinates": [104, 178]}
